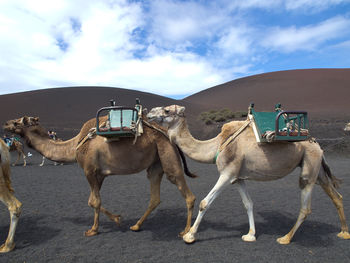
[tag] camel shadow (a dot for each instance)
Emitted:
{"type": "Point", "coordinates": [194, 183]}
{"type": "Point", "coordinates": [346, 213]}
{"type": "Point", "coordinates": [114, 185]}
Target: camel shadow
{"type": "Point", "coordinates": [311, 233]}
{"type": "Point", "coordinates": [276, 224]}
{"type": "Point", "coordinates": [30, 232]}
{"type": "Point", "coordinates": [164, 224]}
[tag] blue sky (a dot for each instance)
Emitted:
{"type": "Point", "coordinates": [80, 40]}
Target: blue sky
{"type": "Point", "coordinates": [168, 47]}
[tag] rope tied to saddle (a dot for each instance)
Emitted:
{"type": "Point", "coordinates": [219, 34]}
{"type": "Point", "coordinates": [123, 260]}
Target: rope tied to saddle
{"type": "Point", "coordinates": [231, 139]}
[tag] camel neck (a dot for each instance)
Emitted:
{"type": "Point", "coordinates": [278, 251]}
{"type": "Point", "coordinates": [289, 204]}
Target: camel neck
{"type": "Point", "coordinates": [60, 151]}
{"type": "Point", "coordinates": [201, 151]}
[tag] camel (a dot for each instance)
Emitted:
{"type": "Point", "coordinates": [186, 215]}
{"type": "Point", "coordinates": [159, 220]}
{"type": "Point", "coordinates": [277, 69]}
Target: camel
{"type": "Point", "coordinates": [347, 128]}
{"type": "Point", "coordinates": [18, 147]}
{"type": "Point", "coordinates": [241, 158]}
{"type": "Point", "coordinates": [8, 198]}
{"type": "Point", "coordinates": [100, 157]}
{"type": "Point", "coordinates": [52, 136]}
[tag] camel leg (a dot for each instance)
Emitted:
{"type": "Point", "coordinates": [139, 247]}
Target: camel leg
{"type": "Point", "coordinates": [304, 212]}
{"type": "Point", "coordinates": [248, 204]}
{"type": "Point", "coordinates": [113, 217]}
{"type": "Point", "coordinates": [171, 163]}
{"type": "Point", "coordinates": [18, 157]}
{"type": "Point", "coordinates": [42, 162]}
{"type": "Point", "coordinates": [190, 199]}
{"type": "Point", "coordinates": [94, 201]}
{"type": "Point", "coordinates": [14, 207]}
{"type": "Point", "coordinates": [223, 181]}
{"type": "Point", "coordinates": [24, 159]}
{"type": "Point", "coordinates": [155, 175]}
{"type": "Point", "coordinates": [337, 200]}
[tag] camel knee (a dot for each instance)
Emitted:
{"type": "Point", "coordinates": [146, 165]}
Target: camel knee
{"type": "Point", "coordinates": [305, 212]}
{"type": "Point", "coordinates": [154, 203]}
{"type": "Point", "coordinates": [248, 206]}
{"type": "Point", "coordinates": [15, 208]}
{"type": "Point", "coordinates": [94, 202]}
{"type": "Point", "coordinates": [190, 201]}
{"type": "Point", "coordinates": [203, 205]}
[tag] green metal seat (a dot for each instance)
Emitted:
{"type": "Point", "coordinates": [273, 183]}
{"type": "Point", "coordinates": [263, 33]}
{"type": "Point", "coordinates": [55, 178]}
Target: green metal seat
{"type": "Point", "coordinates": [121, 121]}
{"type": "Point", "coordinates": [281, 125]}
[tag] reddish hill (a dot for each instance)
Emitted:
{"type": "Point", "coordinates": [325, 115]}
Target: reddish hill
{"type": "Point", "coordinates": [322, 92]}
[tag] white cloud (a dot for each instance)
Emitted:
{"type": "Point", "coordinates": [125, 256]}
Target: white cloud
{"type": "Point", "coordinates": [308, 37]}
{"type": "Point", "coordinates": [315, 5]}
{"type": "Point", "coordinates": [236, 41]}
{"type": "Point", "coordinates": [167, 47]}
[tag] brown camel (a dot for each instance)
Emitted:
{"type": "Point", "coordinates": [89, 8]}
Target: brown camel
{"type": "Point", "coordinates": [100, 157]}
{"type": "Point", "coordinates": [242, 158]}
{"type": "Point", "coordinates": [7, 197]}
{"type": "Point", "coordinates": [17, 146]}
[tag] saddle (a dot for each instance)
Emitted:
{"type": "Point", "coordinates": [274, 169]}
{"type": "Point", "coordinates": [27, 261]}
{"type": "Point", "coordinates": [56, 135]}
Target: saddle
{"type": "Point", "coordinates": [121, 121]}
{"type": "Point", "coordinates": [279, 125]}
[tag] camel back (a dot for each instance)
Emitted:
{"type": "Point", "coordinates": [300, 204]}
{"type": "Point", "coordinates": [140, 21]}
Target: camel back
{"type": "Point", "coordinates": [279, 125]}
{"type": "Point", "coordinates": [121, 121]}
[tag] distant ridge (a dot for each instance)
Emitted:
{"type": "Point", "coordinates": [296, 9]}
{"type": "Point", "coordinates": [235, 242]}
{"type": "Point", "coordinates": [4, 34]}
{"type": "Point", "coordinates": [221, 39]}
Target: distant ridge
{"type": "Point", "coordinates": [66, 109]}
{"type": "Point", "coordinates": [322, 92]}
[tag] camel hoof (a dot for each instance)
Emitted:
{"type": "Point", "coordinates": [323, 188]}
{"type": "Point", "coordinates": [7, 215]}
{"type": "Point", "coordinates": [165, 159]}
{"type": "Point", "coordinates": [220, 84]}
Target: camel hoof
{"type": "Point", "coordinates": [135, 228]}
{"type": "Point", "coordinates": [90, 233]}
{"type": "Point", "coordinates": [117, 219]}
{"type": "Point", "coordinates": [189, 238]}
{"type": "Point", "coordinates": [248, 238]}
{"type": "Point", "coordinates": [344, 235]}
{"type": "Point", "coordinates": [5, 248]}
{"type": "Point", "coordinates": [283, 240]}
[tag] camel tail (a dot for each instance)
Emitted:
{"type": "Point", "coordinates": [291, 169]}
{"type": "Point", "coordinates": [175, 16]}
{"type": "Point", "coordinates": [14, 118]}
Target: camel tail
{"type": "Point", "coordinates": [335, 181]}
{"type": "Point", "coordinates": [183, 158]}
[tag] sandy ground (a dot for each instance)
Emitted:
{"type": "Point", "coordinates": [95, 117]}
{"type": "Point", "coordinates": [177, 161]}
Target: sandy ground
{"type": "Point", "coordinates": [55, 216]}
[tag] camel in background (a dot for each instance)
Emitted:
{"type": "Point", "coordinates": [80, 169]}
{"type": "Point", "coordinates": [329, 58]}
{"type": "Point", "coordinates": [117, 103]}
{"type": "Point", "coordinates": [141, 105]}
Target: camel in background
{"type": "Point", "coordinates": [7, 197]}
{"type": "Point", "coordinates": [17, 146]}
{"type": "Point", "coordinates": [239, 157]}
{"type": "Point", "coordinates": [100, 157]}
{"type": "Point", "coordinates": [52, 135]}
{"type": "Point", "coordinates": [347, 128]}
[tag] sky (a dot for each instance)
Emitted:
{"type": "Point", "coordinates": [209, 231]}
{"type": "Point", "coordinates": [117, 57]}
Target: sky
{"type": "Point", "coordinates": [172, 48]}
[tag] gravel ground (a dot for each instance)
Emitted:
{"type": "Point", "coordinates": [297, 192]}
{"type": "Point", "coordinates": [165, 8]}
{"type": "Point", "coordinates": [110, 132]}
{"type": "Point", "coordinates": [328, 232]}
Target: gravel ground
{"type": "Point", "coordinates": [55, 215]}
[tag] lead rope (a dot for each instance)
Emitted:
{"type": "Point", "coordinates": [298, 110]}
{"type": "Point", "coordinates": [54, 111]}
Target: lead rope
{"type": "Point", "coordinates": [231, 138]}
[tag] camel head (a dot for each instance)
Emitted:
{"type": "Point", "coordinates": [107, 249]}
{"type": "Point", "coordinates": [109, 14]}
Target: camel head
{"type": "Point", "coordinates": [347, 128]}
{"type": "Point", "coordinates": [18, 125]}
{"type": "Point", "coordinates": [166, 116]}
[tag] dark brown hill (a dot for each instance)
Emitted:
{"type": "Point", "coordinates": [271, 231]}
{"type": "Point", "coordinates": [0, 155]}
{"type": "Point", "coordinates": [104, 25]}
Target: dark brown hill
{"type": "Point", "coordinates": [322, 92]}
{"type": "Point", "coordinates": [66, 109]}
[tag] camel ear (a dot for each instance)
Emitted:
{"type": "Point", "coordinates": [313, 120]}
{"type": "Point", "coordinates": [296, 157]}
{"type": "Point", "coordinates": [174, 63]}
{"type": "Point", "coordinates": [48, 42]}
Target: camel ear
{"type": "Point", "coordinates": [25, 120]}
{"type": "Point", "coordinates": [181, 111]}
{"type": "Point", "coordinates": [33, 120]}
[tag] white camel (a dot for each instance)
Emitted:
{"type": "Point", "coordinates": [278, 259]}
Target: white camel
{"type": "Point", "coordinates": [239, 158]}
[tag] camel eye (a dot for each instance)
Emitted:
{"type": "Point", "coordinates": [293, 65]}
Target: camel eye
{"type": "Point", "coordinates": [166, 111]}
